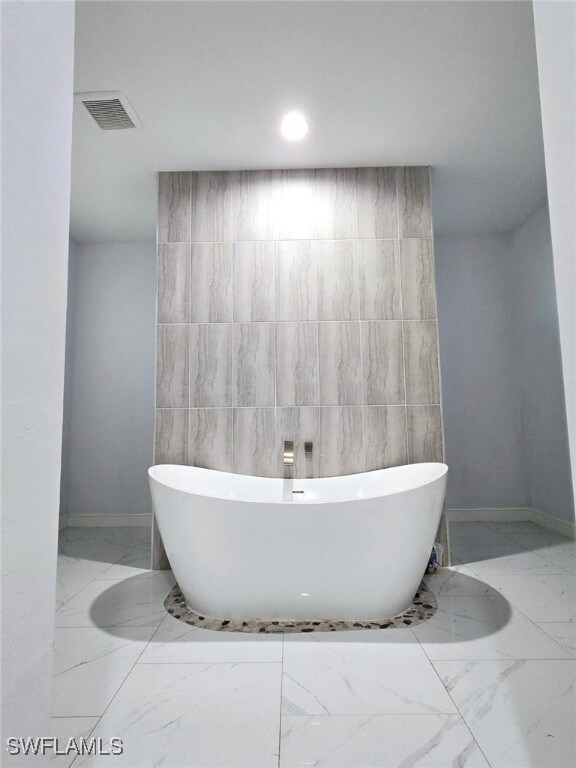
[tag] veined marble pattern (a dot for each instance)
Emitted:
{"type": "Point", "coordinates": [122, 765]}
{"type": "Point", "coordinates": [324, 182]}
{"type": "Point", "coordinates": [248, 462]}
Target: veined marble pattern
{"type": "Point", "coordinates": [499, 690]}
{"type": "Point", "coordinates": [521, 713]}
{"type": "Point", "coordinates": [297, 288]}
{"type": "Point", "coordinates": [65, 728]}
{"type": "Point", "coordinates": [378, 741]}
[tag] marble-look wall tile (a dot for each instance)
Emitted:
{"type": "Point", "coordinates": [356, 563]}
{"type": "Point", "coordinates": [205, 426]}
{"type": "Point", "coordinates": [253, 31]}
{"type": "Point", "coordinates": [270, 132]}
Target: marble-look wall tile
{"type": "Point", "coordinates": [294, 219]}
{"type": "Point", "coordinates": [379, 280]}
{"type": "Point", "coordinates": [382, 362]}
{"type": "Point", "coordinates": [211, 283]}
{"type": "Point", "coordinates": [385, 436]}
{"type": "Point", "coordinates": [295, 280]}
{"type": "Point", "coordinates": [174, 207]}
{"type": "Point", "coordinates": [342, 450]}
{"type": "Point", "coordinates": [210, 441]}
{"type": "Point", "coordinates": [339, 363]}
{"type": "Point", "coordinates": [276, 322]}
{"type": "Point", "coordinates": [418, 286]}
{"type": "Point", "coordinates": [211, 211]}
{"type": "Point", "coordinates": [300, 425]}
{"type": "Point", "coordinates": [414, 207]}
{"type": "Point", "coordinates": [255, 363]}
{"type": "Point", "coordinates": [337, 280]}
{"type": "Point", "coordinates": [421, 360]}
{"type": "Point", "coordinates": [335, 203]}
{"type": "Point", "coordinates": [256, 448]}
{"type": "Point", "coordinates": [172, 366]}
{"type": "Point", "coordinates": [297, 364]}
{"type": "Point", "coordinates": [376, 202]}
{"type": "Point", "coordinates": [253, 281]}
{"type": "Point", "coordinates": [171, 444]}
{"type": "Point", "coordinates": [254, 195]}
{"type": "Point", "coordinates": [210, 365]}
{"type": "Point", "coordinates": [424, 433]}
{"type": "Point", "coordinates": [174, 283]}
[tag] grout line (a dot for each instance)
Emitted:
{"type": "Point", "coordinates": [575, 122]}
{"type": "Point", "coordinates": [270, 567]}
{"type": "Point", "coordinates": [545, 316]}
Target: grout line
{"type": "Point", "coordinates": [97, 723]}
{"type": "Point", "coordinates": [308, 405]}
{"type": "Point", "coordinates": [451, 697]}
{"type": "Point", "coordinates": [282, 240]}
{"type": "Point", "coordinates": [398, 258]}
{"type": "Point", "coordinates": [280, 713]}
{"type": "Point", "coordinates": [231, 299]}
{"type": "Point", "coordinates": [211, 663]}
{"type": "Point", "coordinates": [363, 388]}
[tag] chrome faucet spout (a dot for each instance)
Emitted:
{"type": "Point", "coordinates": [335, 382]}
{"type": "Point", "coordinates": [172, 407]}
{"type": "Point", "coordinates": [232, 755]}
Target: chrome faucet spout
{"type": "Point", "coordinates": [288, 453]}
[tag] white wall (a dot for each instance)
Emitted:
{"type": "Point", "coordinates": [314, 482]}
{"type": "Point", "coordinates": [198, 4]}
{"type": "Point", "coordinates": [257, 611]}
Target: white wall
{"type": "Point", "coordinates": [555, 28]}
{"type": "Point", "coordinates": [112, 378]}
{"type": "Point", "coordinates": [66, 426]}
{"type": "Point", "coordinates": [503, 390]}
{"type": "Point", "coordinates": [538, 362]}
{"type": "Point", "coordinates": [37, 81]}
{"type": "Point", "coordinates": [482, 413]}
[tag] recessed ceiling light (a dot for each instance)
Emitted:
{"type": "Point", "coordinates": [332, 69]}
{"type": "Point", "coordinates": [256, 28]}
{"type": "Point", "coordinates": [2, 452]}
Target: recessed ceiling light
{"type": "Point", "coordinates": [294, 126]}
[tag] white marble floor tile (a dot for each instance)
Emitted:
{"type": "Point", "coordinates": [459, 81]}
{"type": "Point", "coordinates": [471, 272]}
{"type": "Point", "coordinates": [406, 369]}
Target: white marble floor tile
{"type": "Point", "coordinates": [513, 526]}
{"type": "Point", "coordinates": [138, 602]}
{"type": "Point", "coordinates": [105, 545]}
{"type": "Point", "coordinates": [545, 543]}
{"type": "Point", "coordinates": [194, 715]}
{"type": "Point", "coordinates": [175, 642]}
{"type": "Point", "coordinates": [467, 627]}
{"type": "Point", "coordinates": [90, 665]}
{"type": "Point", "coordinates": [65, 728]}
{"type": "Point", "coordinates": [475, 533]}
{"type": "Point", "coordinates": [378, 741]}
{"type": "Point", "coordinates": [457, 580]}
{"type": "Point", "coordinates": [477, 548]}
{"type": "Point", "coordinates": [567, 563]}
{"type": "Point", "coordinates": [563, 632]}
{"type": "Point", "coordinates": [73, 574]}
{"type": "Point", "coordinates": [137, 561]}
{"type": "Point", "coordinates": [521, 713]}
{"type": "Point", "coordinates": [376, 672]}
{"type": "Point", "coordinates": [540, 598]}
{"type": "Point", "coordinates": [524, 562]}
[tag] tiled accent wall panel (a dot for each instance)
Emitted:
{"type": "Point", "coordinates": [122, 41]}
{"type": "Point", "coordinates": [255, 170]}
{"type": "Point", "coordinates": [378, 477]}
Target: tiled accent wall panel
{"type": "Point", "coordinates": [297, 305]}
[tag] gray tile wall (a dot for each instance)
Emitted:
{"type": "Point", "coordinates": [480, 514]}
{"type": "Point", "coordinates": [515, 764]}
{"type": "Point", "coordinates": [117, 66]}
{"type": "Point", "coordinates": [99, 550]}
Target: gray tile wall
{"type": "Point", "coordinates": [297, 305]}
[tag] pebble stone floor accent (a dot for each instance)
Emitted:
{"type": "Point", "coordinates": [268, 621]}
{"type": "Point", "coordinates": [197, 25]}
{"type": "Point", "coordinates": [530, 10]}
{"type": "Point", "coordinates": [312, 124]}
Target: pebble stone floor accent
{"type": "Point", "coordinates": [423, 607]}
{"type": "Point", "coordinates": [488, 681]}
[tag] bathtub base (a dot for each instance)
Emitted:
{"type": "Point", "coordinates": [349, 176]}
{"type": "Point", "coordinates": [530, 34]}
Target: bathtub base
{"type": "Point", "coordinates": [423, 607]}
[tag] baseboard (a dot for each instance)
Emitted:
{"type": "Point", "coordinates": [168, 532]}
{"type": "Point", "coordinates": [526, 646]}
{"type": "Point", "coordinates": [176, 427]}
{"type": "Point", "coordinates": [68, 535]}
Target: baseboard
{"type": "Point", "coordinates": [560, 526]}
{"type": "Point", "coordinates": [513, 514]}
{"type": "Point", "coordinates": [109, 521]}
{"type": "Point", "coordinates": [495, 515]}
{"type": "Point", "coordinates": [63, 522]}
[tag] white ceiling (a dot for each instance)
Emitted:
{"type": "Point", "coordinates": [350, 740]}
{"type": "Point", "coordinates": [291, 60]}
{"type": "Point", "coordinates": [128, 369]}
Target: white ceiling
{"type": "Point", "coordinates": [449, 84]}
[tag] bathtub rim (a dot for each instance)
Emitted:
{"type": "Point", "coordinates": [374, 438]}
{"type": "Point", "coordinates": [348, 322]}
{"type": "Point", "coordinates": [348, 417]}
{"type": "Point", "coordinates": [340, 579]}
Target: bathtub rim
{"type": "Point", "coordinates": [442, 470]}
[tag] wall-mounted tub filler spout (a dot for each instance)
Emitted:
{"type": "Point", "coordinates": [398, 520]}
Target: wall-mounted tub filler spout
{"type": "Point", "coordinates": [288, 458]}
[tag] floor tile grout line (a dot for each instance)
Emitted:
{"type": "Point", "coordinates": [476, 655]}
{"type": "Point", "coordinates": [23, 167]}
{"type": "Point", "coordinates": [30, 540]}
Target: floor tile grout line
{"type": "Point", "coordinates": [96, 724]}
{"type": "Point", "coordinates": [452, 698]}
{"type": "Point", "coordinates": [121, 684]}
{"type": "Point", "coordinates": [509, 602]}
{"type": "Point", "coordinates": [280, 703]}
{"type": "Point", "coordinates": [534, 623]}
{"type": "Point", "coordinates": [96, 578]}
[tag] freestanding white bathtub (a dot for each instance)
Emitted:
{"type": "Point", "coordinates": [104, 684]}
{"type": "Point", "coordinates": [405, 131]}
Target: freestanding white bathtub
{"type": "Point", "coordinates": [353, 547]}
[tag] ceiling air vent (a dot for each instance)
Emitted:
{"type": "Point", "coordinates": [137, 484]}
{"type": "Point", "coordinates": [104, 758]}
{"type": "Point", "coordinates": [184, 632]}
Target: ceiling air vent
{"type": "Point", "coordinates": [110, 109]}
